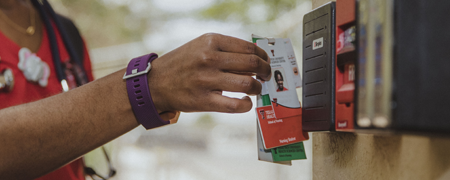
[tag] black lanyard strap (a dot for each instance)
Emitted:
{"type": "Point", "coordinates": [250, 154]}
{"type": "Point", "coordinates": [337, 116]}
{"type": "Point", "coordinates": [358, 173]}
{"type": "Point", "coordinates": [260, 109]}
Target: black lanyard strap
{"type": "Point", "coordinates": [65, 37]}
{"type": "Point", "coordinates": [52, 38]}
{"type": "Point", "coordinates": [47, 13]}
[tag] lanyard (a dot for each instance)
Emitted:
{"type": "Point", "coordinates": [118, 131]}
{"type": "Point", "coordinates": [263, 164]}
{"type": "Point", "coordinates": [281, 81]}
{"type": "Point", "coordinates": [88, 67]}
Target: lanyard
{"type": "Point", "coordinates": [47, 13]}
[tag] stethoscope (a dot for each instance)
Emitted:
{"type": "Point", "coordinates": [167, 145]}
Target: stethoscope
{"type": "Point", "coordinates": [47, 13]}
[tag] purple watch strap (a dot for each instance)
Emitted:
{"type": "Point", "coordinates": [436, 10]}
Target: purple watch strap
{"type": "Point", "coordinates": [139, 93]}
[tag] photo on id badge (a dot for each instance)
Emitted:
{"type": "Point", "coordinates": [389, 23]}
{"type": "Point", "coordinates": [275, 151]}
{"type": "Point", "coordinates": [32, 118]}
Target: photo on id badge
{"type": "Point", "coordinates": [279, 79]}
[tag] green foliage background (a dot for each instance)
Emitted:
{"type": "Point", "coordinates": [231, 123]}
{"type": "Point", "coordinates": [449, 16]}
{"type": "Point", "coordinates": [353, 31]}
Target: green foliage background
{"type": "Point", "coordinates": [107, 22]}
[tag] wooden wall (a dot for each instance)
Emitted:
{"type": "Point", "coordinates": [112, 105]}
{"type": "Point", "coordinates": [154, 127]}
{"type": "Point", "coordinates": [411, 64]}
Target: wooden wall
{"type": "Point", "coordinates": [340, 155]}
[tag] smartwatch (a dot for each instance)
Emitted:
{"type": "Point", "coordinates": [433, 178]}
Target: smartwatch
{"type": "Point", "coordinates": [139, 92]}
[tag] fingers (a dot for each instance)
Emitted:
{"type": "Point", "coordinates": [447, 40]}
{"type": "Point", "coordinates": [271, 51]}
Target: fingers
{"type": "Point", "coordinates": [235, 45]}
{"type": "Point", "coordinates": [243, 64]}
{"type": "Point", "coordinates": [193, 76]}
{"type": "Point", "coordinates": [221, 103]}
{"type": "Point", "coordinates": [236, 83]}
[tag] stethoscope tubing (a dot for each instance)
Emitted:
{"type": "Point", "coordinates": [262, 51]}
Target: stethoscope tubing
{"type": "Point", "coordinates": [47, 13]}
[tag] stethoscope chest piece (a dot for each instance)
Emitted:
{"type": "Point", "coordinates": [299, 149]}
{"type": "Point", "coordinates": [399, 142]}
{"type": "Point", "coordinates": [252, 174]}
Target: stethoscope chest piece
{"type": "Point", "coordinates": [6, 80]}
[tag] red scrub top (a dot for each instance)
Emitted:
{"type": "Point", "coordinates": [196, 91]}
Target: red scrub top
{"type": "Point", "coordinates": [26, 91]}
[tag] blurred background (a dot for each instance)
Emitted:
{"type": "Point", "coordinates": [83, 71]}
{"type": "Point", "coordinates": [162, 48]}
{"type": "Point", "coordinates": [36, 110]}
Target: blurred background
{"type": "Point", "coordinates": [201, 146]}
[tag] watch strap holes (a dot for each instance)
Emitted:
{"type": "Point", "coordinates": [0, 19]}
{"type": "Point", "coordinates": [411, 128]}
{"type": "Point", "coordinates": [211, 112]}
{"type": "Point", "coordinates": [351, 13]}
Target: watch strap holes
{"type": "Point", "coordinates": [137, 86]}
{"type": "Point", "coordinates": [135, 80]}
{"type": "Point", "coordinates": [136, 65]}
{"type": "Point", "coordinates": [141, 103]}
{"type": "Point", "coordinates": [139, 98]}
{"type": "Point", "coordinates": [137, 92]}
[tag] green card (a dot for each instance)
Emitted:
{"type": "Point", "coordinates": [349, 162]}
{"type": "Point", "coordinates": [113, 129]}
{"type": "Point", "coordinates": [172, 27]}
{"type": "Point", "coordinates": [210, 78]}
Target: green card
{"type": "Point", "coordinates": [289, 152]}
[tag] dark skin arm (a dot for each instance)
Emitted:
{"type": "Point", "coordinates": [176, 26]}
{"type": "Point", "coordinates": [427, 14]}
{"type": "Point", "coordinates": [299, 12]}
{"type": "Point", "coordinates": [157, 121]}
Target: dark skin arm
{"type": "Point", "coordinates": [39, 137]}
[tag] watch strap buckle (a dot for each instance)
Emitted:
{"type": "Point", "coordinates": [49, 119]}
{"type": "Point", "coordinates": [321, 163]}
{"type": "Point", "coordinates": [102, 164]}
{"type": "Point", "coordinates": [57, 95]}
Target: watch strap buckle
{"type": "Point", "coordinates": [135, 72]}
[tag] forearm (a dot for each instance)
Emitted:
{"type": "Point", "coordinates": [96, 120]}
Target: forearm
{"type": "Point", "coordinates": [41, 136]}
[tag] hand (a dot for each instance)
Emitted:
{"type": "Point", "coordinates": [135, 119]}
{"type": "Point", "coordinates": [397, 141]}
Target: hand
{"type": "Point", "coordinates": [192, 77]}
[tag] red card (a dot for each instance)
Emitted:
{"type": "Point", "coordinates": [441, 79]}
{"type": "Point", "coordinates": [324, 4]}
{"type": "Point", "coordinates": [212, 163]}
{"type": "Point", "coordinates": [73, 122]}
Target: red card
{"type": "Point", "coordinates": [285, 112]}
{"type": "Point", "coordinates": [280, 132]}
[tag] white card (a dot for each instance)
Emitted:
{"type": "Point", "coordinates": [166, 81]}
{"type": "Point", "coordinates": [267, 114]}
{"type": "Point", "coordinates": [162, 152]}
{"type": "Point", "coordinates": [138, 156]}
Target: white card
{"type": "Point", "coordinates": [281, 86]}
